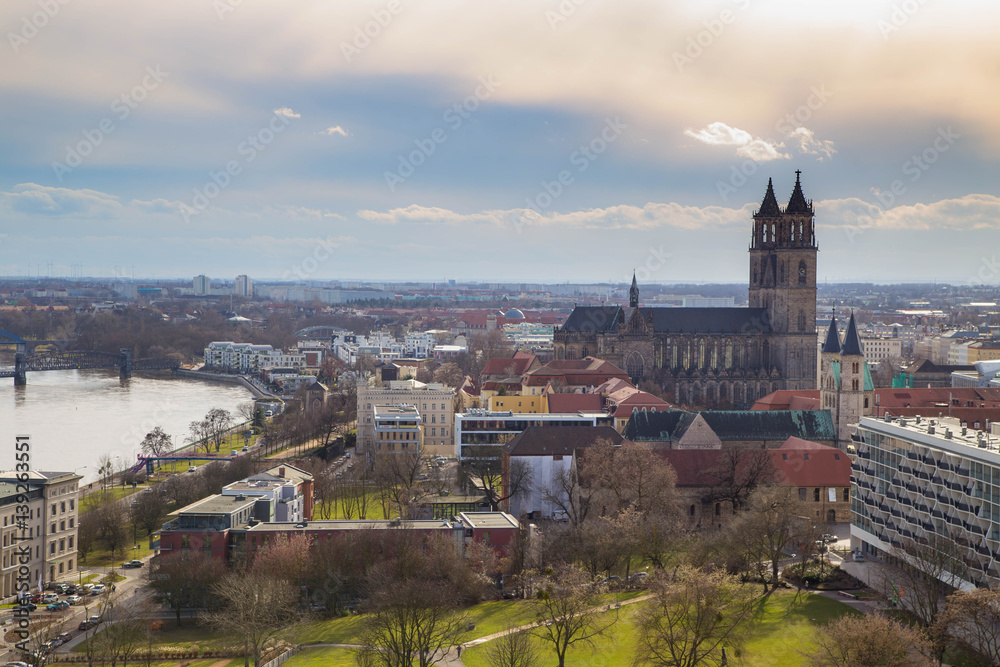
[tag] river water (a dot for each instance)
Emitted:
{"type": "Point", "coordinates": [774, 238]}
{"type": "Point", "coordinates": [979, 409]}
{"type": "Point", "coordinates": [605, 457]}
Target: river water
{"type": "Point", "coordinates": [74, 417]}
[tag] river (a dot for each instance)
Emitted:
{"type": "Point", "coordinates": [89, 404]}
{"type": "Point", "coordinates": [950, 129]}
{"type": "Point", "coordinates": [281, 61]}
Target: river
{"type": "Point", "coordinates": [74, 417]}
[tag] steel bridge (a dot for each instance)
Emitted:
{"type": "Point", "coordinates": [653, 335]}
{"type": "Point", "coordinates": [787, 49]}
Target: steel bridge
{"type": "Point", "coordinates": [61, 360]}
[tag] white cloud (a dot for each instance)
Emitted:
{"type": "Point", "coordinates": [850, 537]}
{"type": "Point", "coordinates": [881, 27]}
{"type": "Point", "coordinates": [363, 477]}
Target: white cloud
{"type": "Point", "coordinates": [808, 143]}
{"type": "Point", "coordinates": [971, 212]}
{"type": "Point", "coordinates": [720, 134]}
{"type": "Point", "coordinates": [336, 129]}
{"type": "Point", "coordinates": [286, 112]}
{"type": "Point", "coordinates": [34, 199]}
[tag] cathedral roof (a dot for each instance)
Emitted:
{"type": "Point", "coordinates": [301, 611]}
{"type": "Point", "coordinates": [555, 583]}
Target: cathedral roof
{"type": "Point", "coordinates": [852, 341]}
{"type": "Point", "coordinates": [769, 207]}
{"type": "Point", "coordinates": [592, 318]}
{"type": "Point", "coordinates": [797, 203]}
{"type": "Point", "coordinates": [832, 344]}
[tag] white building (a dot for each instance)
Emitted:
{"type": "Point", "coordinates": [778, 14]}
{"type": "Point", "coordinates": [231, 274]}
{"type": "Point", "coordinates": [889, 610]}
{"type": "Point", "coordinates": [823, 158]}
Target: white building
{"type": "Point", "coordinates": [201, 285]}
{"type": "Point", "coordinates": [918, 479]}
{"type": "Point", "coordinates": [244, 286]}
{"type": "Point", "coordinates": [50, 526]}
{"type": "Point", "coordinates": [283, 487]}
{"type": "Point", "coordinates": [419, 345]}
{"type": "Point", "coordinates": [398, 430]}
{"type": "Point", "coordinates": [249, 358]}
{"type": "Point", "coordinates": [480, 427]}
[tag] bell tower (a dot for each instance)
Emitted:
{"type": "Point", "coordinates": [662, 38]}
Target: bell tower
{"type": "Point", "coordinates": [783, 280]}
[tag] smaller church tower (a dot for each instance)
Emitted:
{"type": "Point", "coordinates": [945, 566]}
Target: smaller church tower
{"type": "Point", "coordinates": [846, 387]}
{"type": "Point", "coordinates": [633, 293]}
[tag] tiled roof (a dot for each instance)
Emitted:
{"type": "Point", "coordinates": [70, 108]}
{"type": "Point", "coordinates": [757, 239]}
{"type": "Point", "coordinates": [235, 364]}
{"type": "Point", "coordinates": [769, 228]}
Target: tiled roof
{"type": "Point", "coordinates": [709, 320]}
{"type": "Point", "coordinates": [573, 403]}
{"type": "Point", "coordinates": [592, 318]}
{"type": "Point", "coordinates": [558, 440]}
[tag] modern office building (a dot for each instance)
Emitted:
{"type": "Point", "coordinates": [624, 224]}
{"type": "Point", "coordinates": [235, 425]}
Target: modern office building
{"type": "Point", "coordinates": [481, 427]}
{"type": "Point", "coordinates": [398, 429]}
{"type": "Point", "coordinates": [917, 478]}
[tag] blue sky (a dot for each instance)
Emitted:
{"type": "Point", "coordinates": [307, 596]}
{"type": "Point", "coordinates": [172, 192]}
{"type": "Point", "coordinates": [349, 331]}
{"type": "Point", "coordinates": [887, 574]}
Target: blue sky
{"type": "Point", "coordinates": [536, 140]}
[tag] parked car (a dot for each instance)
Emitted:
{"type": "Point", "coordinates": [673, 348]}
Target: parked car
{"type": "Point", "coordinates": [132, 563]}
{"type": "Point", "coordinates": [57, 606]}
{"type": "Point", "coordinates": [87, 588]}
{"type": "Point", "coordinates": [191, 468]}
{"type": "Point", "coordinates": [637, 577]}
{"type": "Point", "coordinates": [61, 588]}
{"type": "Point", "coordinates": [85, 625]}
{"type": "Point", "coordinates": [97, 589]}
{"type": "Point", "coordinates": [65, 637]}
{"type": "Point", "coordinates": [859, 557]}
{"type": "Point", "coordinates": [828, 537]}
{"type": "Point", "coordinates": [96, 619]}
{"type": "Point", "coordinates": [30, 606]}
{"type": "Point", "coordinates": [16, 663]}
{"type": "Point", "coordinates": [74, 599]}
{"type": "Point", "coordinates": [49, 598]}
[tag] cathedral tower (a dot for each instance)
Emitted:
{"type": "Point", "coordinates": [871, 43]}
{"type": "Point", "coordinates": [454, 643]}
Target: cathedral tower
{"type": "Point", "coordinates": [783, 280]}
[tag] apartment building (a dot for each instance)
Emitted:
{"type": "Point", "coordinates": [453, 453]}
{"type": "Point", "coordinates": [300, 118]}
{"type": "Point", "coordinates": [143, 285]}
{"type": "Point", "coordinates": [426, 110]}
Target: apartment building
{"type": "Point", "coordinates": [917, 478]}
{"type": "Point", "coordinates": [50, 525]}
{"type": "Point", "coordinates": [434, 402]}
{"type": "Point", "coordinates": [398, 429]}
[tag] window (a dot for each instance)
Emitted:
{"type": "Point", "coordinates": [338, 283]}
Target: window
{"type": "Point", "coordinates": [62, 507]}
{"type": "Point", "coordinates": [71, 522]}
{"type": "Point", "coordinates": [71, 505]}
{"type": "Point", "coordinates": [185, 541]}
{"type": "Point", "coordinates": [62, 546]}
{"type": "Point", "coordinates": [815, 495]}
{"type": "Point", "coordinates": [802, 494]}
{"type": "Point", "coordinates": [52, 548]}
{"type": "Point", "coordinates": [60, 568]}
{"type": "Point", "coordinates": [847, 495]}
{"type": "Point", "coordinates": [62, 525]}
{"type": "Point", "coordinates": [691, 511]}
{"type": "Point", "coordinates": [53, 510]}
{"type": "Point", "coordinates": [69, 564]}
{"type": "Point", "coordinates": [53, 529]}
{"type": "Point", "coordinates": [70, 542]}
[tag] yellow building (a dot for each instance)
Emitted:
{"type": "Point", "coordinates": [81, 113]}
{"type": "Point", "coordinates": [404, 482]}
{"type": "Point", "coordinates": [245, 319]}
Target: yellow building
{"type": "Point", "coordinates": [984, 351]}
{"type": "Point", "coordinates": [529, 405]}
{"type": "Point", "coordinates": [398, 430]}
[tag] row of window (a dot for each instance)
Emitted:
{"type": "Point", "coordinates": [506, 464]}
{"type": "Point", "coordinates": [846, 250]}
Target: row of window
{"type": "Point", "coordinates": [62, 545]}
{"type": "Point", "coordinates": [62, 507]}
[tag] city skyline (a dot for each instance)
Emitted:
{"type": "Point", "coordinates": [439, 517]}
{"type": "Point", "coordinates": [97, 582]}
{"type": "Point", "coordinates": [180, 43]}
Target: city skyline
{"type": "Point", "coordinates": [534, 142]}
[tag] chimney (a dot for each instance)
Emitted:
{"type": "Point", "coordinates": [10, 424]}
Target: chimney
{"type": "Point", "coordinates": [281, 471]}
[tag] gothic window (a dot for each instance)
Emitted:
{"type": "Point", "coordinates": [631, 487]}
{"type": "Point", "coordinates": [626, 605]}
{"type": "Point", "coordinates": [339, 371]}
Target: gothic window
{"type": "Point", "coordinates": [854, 385]}
{"type": "Point", "coordinates": [729, 354]}
{"type": "Point", "coordinates": [781, 273]}
{"type": "Point", "coordinates": [802, 272]}
{"type": "Point", "coordinates": [802, 321]}
{"type": "Point", "coordinates": [766, 355]}
{"type": "Point", "coordinates": [715, 356]}
{"type": "Point", "coordinates": [723, 392]}
{"type": "Point", "coordinates": [710, 395]}
{"type": "Point", "coordinates": [570, 354]}
{"type": "Point", "coordinates": [584, 353]}
{"type": "Point", "coordinates": [737, 394]}
{"type": "Point", "coordinates": [702, 357]}
{"type": "Point", "coordinates": [634, 366]}
{"type": "Point", "coordinates": [687, 355]}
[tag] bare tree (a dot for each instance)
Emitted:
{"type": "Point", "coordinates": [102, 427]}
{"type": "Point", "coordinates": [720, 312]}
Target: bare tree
{"type": "Point", "coordinates": [512, 649]}
{"type": "Point", "coordinates": [106, 469]}
{"type": "Point", "coordinates": [395, 477]}
{"type": "Point", "coordinates": [692, 618]}
{"type": "Point", "coordinates": [254, 608]}
{"type": "Point", "coordinates": [200, 434]}
{"type": "Point", "coordinates": [218, 421]}
{"type": "Point", "coordinates": [564, 612]}
{"type": "Point", "coordinates": [183, 581]}
{"type": "Point", "coordinates": [972, 619]}
{"type": "Point", "coordinates": [86, 532]}
{"type": "Point", "coordinates": [125, 633]}
{"type": "Point", "coordinates": [766, 527]}
{"type": "Point", "coordinates": [156, 443]}
{"type": "Point", "coordinates": [112, 522]}
{"type": "Point", "coordinates": [484, 467]}
{"type": "Point", "coordinates": [572, 498]}
{"type": "Point", "coordinates": [922, 573]}
{"type": "Point", "coordinates": [738, 473]}
{"type": "Point", "coordinates": [146, 509]}
{"type": "Point", "coordinates": [632, 475]}
{"type": "Point", "coordinates": [449, 374]}
{"type": "Point", "coordinates": [872, 640]}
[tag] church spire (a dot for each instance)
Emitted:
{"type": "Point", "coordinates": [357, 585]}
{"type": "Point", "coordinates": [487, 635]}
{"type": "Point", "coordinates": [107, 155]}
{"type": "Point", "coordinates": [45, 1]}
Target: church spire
{"type": "Point", "coordinates": [832, 344]}
{"type": "Point", "coordinates": [852, 341]}
{"type": "Point", "coordinates": [797, 203]}
{"type": "Point", "coordinates": [769, 207]}
{"type": "Point", "coordinates": [633, 293]}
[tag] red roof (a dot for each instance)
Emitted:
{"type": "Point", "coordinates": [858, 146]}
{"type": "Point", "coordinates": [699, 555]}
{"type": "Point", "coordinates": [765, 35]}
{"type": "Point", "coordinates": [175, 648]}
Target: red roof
{"type": "Point", "coordinates": [574, 372]}
{"type": "Point", "coordinates": [782, 399]}
{"type": "Point", "coordinates": [573, 403]}
{"type": "Point", "coordinates": [508, 366]}
{"type": "Point", "coordinates": [797, 463]}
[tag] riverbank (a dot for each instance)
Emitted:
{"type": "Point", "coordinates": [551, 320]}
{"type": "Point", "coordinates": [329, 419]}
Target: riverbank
{"type": "Point", "coordinates": [256, 388]}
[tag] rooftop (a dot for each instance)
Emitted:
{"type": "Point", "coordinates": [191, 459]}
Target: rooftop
{"type": "Point", "coordinates": [217, 504]}
{"type": "Point", "coordinates": [944, 433]}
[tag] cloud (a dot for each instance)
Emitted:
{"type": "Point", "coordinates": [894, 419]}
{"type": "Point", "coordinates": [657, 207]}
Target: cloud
{"type": "Point", "coordinates": [720, 134]}
{"type": "Point", "coordinates": [650, 216]}
{"type": "Point", "coordinates": [159, 206]}
{"type": "Point", "coordinates": [808, 143]}
{"type": "Point", "coordinates": [971, 212]}
{"type": "Point", "coordinates": [336, 129]}
{"type": "Point", "coordinates": [34, 199]}
{"type": "Point", "coordinates": [287, 113]}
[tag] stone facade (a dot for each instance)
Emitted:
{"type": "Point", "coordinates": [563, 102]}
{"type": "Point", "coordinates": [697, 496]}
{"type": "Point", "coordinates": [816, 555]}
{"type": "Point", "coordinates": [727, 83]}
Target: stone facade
{"type": "Point", "coordinates": [718, 357]}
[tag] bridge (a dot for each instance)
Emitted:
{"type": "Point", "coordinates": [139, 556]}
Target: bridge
{"type": "Point", "coordinates": [319, 330]}
{"type": "Point", "coordinates": [61, 360]}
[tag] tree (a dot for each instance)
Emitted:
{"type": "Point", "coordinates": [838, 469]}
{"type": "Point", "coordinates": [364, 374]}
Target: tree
{"type": "Point", "coordinates": [156, 443]}
{"type": "Point", "coordinates": [738, 473]}
{"type": "Point", "coordinates": [972, 619]}
{"type": "Point", "coordinates": [484, 467]}
{"type": "Point", "coordinates": [201, 434]}
{"type": "Point", "coordinates": [218, 423]}
{"type": "Point", "coordinates": [112, 525]}
{"type": "Point", "coordinates": [253, 607]}
{"type": "Point", "coordinates": [766, 527]}
{"type": "Point", "coordinates": [922, 573]}
{"type": "Point", "coordinates": [511, 649]}
{"type": "Point", "coordinates": [146, 510]}
{"type": "Point", "coordinates": [106, 469]}
{"type": "Point", "coordinates": [449, 374]}
{"type": "Point", "coordinates": [692, 618]}
{"type": "Point", "coordinates": [563, 611]}
{"type": "Point", "coordinates": [125, 633]}
{"type": "Point", "coordinates": [183, 581]}
{"type": "Point", "coordinates": [571, 497]}
{"type": "Point", "coordinates": [632, 475]}
{"type": "Point", "coordinates": [872, 640]}
{"type": "Point", "coordinates": [86, 532]}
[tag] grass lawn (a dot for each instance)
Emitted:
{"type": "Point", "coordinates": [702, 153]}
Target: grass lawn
{"type": "Point", "coordinates": [184, 636]}
{"type": "Point", "coordinates": [783, 630]}
{"type": "Point", "coordinates": [100, 555]}
{"type": "Point", "coordinates": [322, 657]}
{"type": "Point", "coordinates": [99, 497]}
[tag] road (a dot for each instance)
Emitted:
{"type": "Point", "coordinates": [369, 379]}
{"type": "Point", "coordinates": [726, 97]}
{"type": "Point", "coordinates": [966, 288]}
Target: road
{"type": "Point", "coordinates": [70, 618]}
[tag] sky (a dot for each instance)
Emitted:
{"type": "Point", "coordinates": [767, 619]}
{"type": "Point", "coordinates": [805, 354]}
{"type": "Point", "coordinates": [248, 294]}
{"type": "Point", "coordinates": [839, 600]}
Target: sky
{"type": "Point", "coordinates": [535, 140]}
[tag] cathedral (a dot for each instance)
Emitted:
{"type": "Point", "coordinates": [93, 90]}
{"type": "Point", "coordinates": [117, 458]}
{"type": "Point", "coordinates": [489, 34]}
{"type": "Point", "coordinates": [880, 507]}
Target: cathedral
{"type": "Point", "coordinates": [720, 357]}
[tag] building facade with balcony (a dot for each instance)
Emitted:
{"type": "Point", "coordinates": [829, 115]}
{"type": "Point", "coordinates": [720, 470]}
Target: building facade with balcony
{"type": "Point", "coordinates": [919, 479]}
